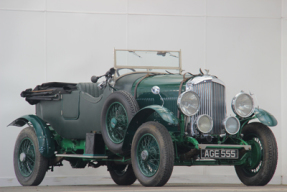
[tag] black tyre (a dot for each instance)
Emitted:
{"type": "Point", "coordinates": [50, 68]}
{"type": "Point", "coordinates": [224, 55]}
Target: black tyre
{"type": "Point", "coordinates": [152, 154]}
{"type": "Point", "coordinates": [122, 174]}
{"type": "Point", "coordinates": [29, 165]}
{"type": "Point", "coordinates": [118, 110]}
{"type": "Point", "coordinates": [261, 166]}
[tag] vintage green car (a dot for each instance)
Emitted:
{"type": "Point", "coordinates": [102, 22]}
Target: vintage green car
{"type": "Point", "coordinates": [145, 117]}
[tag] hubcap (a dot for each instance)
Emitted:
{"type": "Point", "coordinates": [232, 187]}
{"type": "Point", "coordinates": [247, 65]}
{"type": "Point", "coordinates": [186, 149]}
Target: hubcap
{"type": "Point", "coordinates": [113, 122]}
{"type": "Point", "coordinates": [22, 157]}
{"type": "Point", "coordinates": [144, 155]}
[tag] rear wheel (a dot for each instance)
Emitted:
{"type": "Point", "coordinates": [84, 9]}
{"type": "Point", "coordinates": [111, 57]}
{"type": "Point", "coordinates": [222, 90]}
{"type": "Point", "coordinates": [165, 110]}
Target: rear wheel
{"type": "Point", "coordinates": [29, 165]}
{"type": "Point", "coordinates": [152, 154]}
{"type": "Point", "coordinates": [122, 174]}
{"type": "Point", "coordinates": [261, 165]}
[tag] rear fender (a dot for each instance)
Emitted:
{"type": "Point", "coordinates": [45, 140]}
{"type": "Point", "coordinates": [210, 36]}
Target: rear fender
{"type": "Point", "coordinates": [44, 135]}
{"type": "Point", "coordinates": [141, 117]}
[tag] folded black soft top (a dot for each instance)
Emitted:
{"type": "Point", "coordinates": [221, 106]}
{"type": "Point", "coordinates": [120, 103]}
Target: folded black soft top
{"type": "Point", "coordinates": [48, 92]}
{"type": "Point", "coordinates": [66, 86]}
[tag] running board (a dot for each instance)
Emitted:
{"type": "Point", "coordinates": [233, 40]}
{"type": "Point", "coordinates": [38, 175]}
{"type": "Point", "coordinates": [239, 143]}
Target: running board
{"type": "Point", "coordinates": [82, 156]}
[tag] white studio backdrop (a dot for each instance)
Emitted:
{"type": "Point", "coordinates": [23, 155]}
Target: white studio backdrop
{"type": "Point", "coordinates": [243, 42]}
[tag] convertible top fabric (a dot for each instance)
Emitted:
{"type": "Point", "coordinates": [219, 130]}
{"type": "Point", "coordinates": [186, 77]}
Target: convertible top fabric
{"type": "Point", "coordinates": [47, 92]}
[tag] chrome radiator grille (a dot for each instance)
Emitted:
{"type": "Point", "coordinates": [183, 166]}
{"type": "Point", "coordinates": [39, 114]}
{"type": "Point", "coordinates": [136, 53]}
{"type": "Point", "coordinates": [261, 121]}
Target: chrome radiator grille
{"type": "Point", "coordinates": [212, 102]}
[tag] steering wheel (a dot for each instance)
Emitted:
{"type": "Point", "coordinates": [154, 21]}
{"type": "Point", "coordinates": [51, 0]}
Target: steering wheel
{"type": "Point", "coordinates": [124, 68]}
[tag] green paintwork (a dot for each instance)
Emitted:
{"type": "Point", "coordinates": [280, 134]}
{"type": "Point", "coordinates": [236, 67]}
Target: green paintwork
{"type": "Point", "coordinates": [182, 123]}
{"type": "Point", "coordinates": [239, 141]}
{"type": "Point", "coordinates": [243, 122]}
{"type": "Point", "coordinates": [26, 157]}
{"type": "Point", "coordinates": [168, 83]}
{"type": "Point", "coordinates": [192, 141]}
{"type": "Point", "coordinates": [44, 135]}
{"type": "Point", "coordinates": [165, 115]}
{"type": "Point", "coordinates": [265, 117]}
{"type": "Point", "coordinates": [255, 155]}
{"type": "Point", "coordinates": [126, 82]}
{"type": "Point", "coordinates": [148, 155]}
{"type": "Point", "coordinates": [116, 122]}
{"type": "Point", "coordinates": [253, 164]}
{"type": "Point", "coordinates": [169, 88]}
{"type": "Point", "coordinates": [71, 146]}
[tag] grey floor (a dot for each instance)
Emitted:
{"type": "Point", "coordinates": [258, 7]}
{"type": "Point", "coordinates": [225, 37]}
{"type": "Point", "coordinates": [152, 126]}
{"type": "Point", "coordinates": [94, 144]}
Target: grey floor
{"type": "Point", "coordinates": [139, 188]}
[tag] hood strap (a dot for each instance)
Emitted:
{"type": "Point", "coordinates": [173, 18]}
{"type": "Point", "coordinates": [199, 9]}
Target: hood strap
{"type": "Point", "coordinates": [136, 87]}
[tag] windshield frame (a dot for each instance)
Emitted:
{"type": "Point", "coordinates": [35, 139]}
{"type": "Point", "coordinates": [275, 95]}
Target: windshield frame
{"type": "Point", "coordinates": [148, 68]}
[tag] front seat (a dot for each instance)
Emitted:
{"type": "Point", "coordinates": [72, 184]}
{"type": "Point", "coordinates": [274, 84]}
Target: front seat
{"type": "Point", "coordinates": [90, 88]}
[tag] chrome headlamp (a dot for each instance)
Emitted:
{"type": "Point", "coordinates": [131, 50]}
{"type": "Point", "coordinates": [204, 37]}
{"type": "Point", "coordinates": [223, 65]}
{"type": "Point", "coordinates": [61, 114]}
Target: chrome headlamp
{"type": "Point", "coordinates": [242, 104]}
{"type": "Point", "coordinates": [231, 125]}
{"type": "Point", "coordinates": [204, 123]}
{"type": "Point", "coordinates": [188, 102]}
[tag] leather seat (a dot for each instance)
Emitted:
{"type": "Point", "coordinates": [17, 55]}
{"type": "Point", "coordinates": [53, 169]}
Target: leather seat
{"type": "Point", "coordinates": [90, 88]}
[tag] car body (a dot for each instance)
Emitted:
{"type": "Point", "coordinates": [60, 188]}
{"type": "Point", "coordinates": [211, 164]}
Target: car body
{"type": "Point", "coordinates": [145, 117]}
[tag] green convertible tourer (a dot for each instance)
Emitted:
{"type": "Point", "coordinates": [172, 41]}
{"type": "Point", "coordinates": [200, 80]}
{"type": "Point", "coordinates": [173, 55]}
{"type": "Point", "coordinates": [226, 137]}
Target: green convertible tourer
{"type": "Point", "coordinates": [141, 118]}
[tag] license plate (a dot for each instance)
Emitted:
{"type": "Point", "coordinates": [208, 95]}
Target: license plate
{"type": "Point", "coordinates": [219, 154]}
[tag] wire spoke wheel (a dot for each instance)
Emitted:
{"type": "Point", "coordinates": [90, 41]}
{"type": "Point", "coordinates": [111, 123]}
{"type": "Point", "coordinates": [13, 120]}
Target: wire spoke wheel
{"type": "Point", "coordinates": [152, 154]}
{"type": "Point", "coordinates": [29, 165]}
{"type": "Point", "coordinates": [116, 122]}
{"type": "Point", "coordinates": [26, 157]}
{"type": "Point", "coordinates": [148, 155]}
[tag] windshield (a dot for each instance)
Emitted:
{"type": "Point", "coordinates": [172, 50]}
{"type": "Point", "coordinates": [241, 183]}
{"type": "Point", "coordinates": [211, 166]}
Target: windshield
{"type": "Point", "coordinates": [127, 61]}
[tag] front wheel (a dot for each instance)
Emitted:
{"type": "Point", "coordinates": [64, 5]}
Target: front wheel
{"type": "Point", "coordinates": [152, 154]}
{"type": "Point", "coordinates": [29, 165]}
{"type": "Point", "coordinates": [261, 165]}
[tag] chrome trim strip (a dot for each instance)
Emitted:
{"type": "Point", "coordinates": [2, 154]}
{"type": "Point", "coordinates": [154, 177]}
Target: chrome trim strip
{"type": "Point", "coordinates": [204, 78]}
{"type": "Point", "coordinates": [204, 146]}
{"type": "Point", "coordinates": [82, 156]}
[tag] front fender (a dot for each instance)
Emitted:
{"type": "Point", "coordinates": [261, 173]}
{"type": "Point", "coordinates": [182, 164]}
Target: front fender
{"type": "Point", "coordinates": [44, 135]}
{"type": "Point", "coordinates": [141, 117]}
{"type": "Point", "coordinates": [265, 117]}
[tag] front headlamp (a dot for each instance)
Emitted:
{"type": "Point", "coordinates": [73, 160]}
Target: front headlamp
{"type": "Point", "coordinates": [231, 125]}
{"type": "Point", "coordinates": [242, 104]}
{"type": "Point", "coordinates": [204, 123]}
{"type": "Point", "coordinates": [189, 103]}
